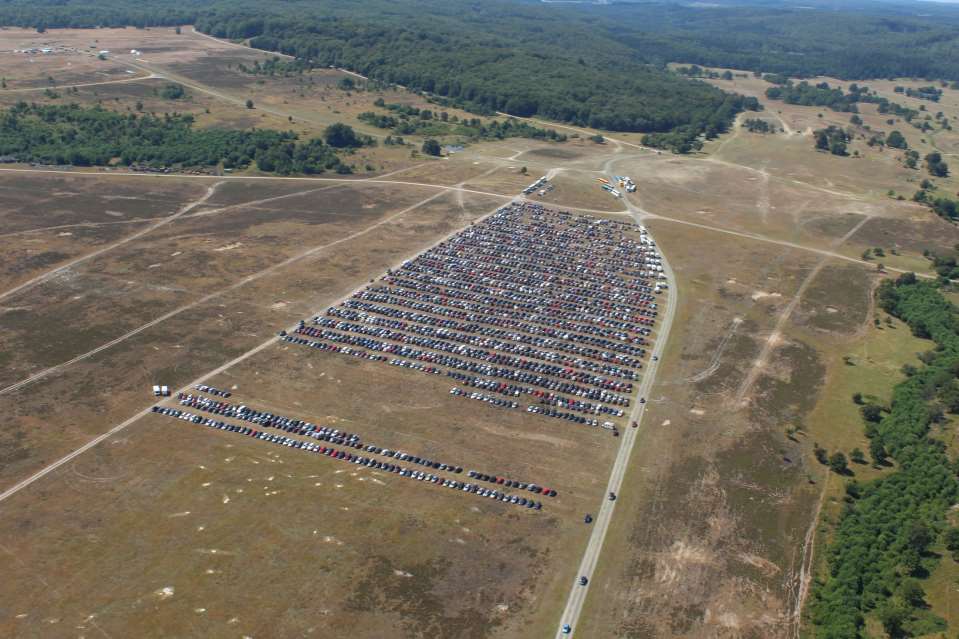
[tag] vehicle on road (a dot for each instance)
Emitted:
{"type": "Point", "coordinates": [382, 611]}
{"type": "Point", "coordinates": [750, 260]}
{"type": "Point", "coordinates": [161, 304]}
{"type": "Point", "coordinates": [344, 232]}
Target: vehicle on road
{"type": "Point", "coordinates": [583, 580]}
{"type": "Point", "coordinates": [612, 496]}
{"type": "Point", "coordinates": [567, 629]}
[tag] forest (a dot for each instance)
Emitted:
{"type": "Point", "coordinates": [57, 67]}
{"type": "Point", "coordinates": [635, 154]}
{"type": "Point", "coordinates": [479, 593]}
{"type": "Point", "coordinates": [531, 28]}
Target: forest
{"type": "Point", "coordinates": [884, 545]}
{"type": "Point", "coordinates": [70, 134]}
{"type": "Point", "coordinates": [602, 66]}
{"type": "Point", "coordinates": [504, 56]}
{"type": "Point", "coordinates": [851, 41]}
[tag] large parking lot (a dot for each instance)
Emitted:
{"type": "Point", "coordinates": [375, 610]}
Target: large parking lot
{"type": "Point", "coordinates": [530, 309]}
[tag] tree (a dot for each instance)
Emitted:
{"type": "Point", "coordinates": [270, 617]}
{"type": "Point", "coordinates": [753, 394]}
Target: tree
{"type": "Point", "coordinates": [820, 453]}
{"type": "Point", "coordinates": [919, 537]}
{"type": "Point", "coordinates": [951, 540]}
{"type": "Point", "coordinates": [341, 136]}
{"type": "Point", "coordinates": [431, 147]}
{"type": "Point", "coordinates": [878, 452]}
{"type": "Point", "coordinates": [935, 165]}
{"type": "Point", "coordinates": [949, 395]}
{"type": "Point", "coordinates": [173, 91]}
{"type": "Point", "coordinates": [893, 615]}
{"type": "Point", "coordinates": [249, 103]}
{"type": "Point", "coordinates": [857, 456]}
{"type": "Point", "coordinates": [857, 398]}
{"type": "Point", "coordinates": [912, 593]}
{"type": "Point", "coordinates": [838, 463]}
{"type": "Point", "coordinates": [871, 413]}
{"type": "Point", "coordinates": [896, 140]}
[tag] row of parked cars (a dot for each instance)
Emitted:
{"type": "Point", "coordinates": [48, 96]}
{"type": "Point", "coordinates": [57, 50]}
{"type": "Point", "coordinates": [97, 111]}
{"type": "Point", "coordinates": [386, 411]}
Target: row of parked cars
{"type": "Point", "coordinates": [441, 359]}
{"type": "Point", "coordinates": [216, 392]}
{"type": "Point", "coordinates": [489, 399]}
{"type": "Point", "coordinates": [547, 411]}
{"type": "Point", "coordinates": [511, 483]}
{"type": "Point", "coordinates": [353, 458]}
{"type": "Point", "coordinates": [442, 337]}
{"type": "Point", "coordinates": [595, 340]}
{"type": "Point", "coordinates": [267, 419]}
{"type": "Point", "coordinates": [341, 438]}
{"type": "Point", "coordinates": [538, 336]}
{"type": "Point", "coordinates": [565, 370]}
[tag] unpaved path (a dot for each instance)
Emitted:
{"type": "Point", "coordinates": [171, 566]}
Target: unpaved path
{"type": "Point", "coordinates": [109, 247]}
{"type": "Point", "coordinates": [138, 78]}
{"type": "Point", "coordinates": [578, 593]}
{"type": "Point", "coordinates": [253, 351]}
{"type": "Point", "coordinates": [218, 293]}
{"type": "Point", "coordinates": [775, 338]}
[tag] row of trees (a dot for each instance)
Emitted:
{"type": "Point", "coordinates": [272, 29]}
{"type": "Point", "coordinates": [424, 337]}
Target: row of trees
{"type": "Point", "coordinates": [409, 120]}
{"type": "Point", "coordinates": [931, 93]}
{"type": "Point", "coordinates": [820, 94]}
{"type": "Point", "coordinates": [823, 95]}
{"type": "Point", "coordinates": [883, 544]}
{"type": "Point", "coordinates": [757, 125]}
{"type": "Point", "coordinates": [70, 134]}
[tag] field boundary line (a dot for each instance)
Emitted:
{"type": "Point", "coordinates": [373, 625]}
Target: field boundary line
{"type": "Point", "coordinates": [17, 487]}
{"type": "Point", "coordinates": [83, 258]}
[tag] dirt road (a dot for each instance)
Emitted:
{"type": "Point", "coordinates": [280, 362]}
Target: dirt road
{"type": "Point", "coordinates": [109, 247]}
{"type": "Point", "coordinates": [578, 593]}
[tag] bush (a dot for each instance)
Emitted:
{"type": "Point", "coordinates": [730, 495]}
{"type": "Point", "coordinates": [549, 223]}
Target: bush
{"type": "Point", "coordinates": [341, 136]}
{"type": "Point", "coordinates": [838, 463]}
{"type": "Point", "coordinates": [431, 147]}
{"type": "Point", "coordinates": [871, 413]}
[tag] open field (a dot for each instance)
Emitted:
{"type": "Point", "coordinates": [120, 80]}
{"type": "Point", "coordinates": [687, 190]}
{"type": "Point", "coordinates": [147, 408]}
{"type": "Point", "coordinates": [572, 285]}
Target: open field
{"type": "Point", "coordinates": [111, 283]}
{"type": "Point", "coordinates": [216, 246]}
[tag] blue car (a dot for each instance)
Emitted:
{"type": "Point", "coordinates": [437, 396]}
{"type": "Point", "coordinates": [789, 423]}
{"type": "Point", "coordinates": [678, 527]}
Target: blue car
{"type": "Point", "coordinates": [566, 629]}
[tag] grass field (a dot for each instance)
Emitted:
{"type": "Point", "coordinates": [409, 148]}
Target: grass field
{"type": "Point", "coordinates": [111, 283]}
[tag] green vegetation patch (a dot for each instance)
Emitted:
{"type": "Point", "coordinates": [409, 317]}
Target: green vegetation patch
{"type": "Point", "coordinates": [408, 120]}
{"type": "Point", "coordinates": [882, 548]}
{"type": "Point", "coordinates": [71, 134]}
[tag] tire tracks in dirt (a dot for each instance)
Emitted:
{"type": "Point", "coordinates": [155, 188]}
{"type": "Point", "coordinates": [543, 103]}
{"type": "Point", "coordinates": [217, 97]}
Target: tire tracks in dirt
{"type": "Point", "coordinates": [775, 338]}
{"type": "Point", "coordinates": [129, 238]}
